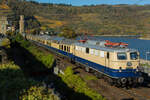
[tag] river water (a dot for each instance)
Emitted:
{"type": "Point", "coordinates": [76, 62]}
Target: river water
{"type": "Point", "coordinates": [143, 46]}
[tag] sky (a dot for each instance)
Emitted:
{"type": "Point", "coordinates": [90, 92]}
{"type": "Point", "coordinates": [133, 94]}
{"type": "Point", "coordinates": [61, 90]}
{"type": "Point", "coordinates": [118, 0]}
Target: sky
{"type": "Point", "coordinates": [95, 2]}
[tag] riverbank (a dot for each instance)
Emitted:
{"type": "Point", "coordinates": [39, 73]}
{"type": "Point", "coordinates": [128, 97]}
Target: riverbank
{"type": "Point", "coordinates": [144, 38]}
{"type": "Point", "coordinates": [116, 35]}
{"type": "Point", "coordinates": [142, 61]}
{"type": "Point", "coordinates": [126, 36]}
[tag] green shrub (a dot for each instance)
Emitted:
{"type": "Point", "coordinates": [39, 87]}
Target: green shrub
{"type": "Point", "coordinates": [13, 81]}
{"type": "Point", "coordinates": [15, 86]}
{"type": "Point", "coordinates": [46, 59]}
{"type": "Point", "coordinates": [6, 43]}
{"type": "Point", "coordinates": [18, 38]}
{"type": "Point", "coordinates": [88, 78]}
{"type": "Point", "coordinates": [38, 93]}
{"type": "Point", "coordinates": [74, 81]}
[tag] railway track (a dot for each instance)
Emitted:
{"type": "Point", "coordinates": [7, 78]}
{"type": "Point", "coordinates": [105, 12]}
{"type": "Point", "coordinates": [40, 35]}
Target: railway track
{"type": "Point", "coordinates": [136, 95]}
{"type": "Point", "coordinates": [114, 93]}
{"type": "Point", "coordinates": [102, 87]}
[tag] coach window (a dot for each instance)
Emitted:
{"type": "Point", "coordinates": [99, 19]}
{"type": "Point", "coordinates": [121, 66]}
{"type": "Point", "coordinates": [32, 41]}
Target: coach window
{"type": "Point", "coordinates": [69, 49]}
{"type": "Point", "coordinates": [61, 47]}
{"type": "Point", "coordinates": [64, 48]}
{"type": "Point", "coordinates": [121, 56]}
{"type": "Point", "coordinates": [87, 50]}
{"type": "Point", "coordinates": [107, 55]}
{"type": "Point", "coordinates": [133, 55]}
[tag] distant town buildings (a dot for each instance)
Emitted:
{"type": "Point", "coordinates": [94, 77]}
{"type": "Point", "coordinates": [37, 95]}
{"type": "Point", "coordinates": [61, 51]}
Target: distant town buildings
{"type": "Point", "coordinates": [21, 24]}
{"type": "Point", "coordinates": [5, 21]}
{"type": "Point", "coordinates": [3, 24]}
{"type": "Point", "coordinates": [6, 25]}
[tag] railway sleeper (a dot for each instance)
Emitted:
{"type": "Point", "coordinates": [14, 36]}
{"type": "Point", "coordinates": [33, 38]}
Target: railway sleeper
{"type": "Point", "coordinates": [87, 69]}
{"type": "Point", "coordinates": [79, 65]}
{"type": "Point", "coordinates": [98, 75]}
{"type": "Point", "coordinates": [72, 60]}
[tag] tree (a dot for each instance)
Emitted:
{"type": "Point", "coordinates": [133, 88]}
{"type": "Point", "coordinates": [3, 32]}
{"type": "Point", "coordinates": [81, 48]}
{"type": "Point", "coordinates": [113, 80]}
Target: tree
{"type": "Point", "coordinates": [36, 31]}
{"type": "Point", "coordinates": [10, 33]}
{"type": "Point", "coordinates": [68, 33]}
{"type": "Point", "coordinates": [6, 43]}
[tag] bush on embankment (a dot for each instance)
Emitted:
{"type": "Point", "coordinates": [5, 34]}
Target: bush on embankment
{"type": "Point", "coordinates": [46, 59]}
{"type": "Point", "coordinates": [15, 86]}
{"type": "Point", "coordinates": [74, 81]}
{"type": "Point", "coordinates": [5, 43]}
{"type": "Point", "coordinates": [12, 81]}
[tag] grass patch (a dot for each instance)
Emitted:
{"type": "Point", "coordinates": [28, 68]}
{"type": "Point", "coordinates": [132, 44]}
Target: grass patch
{"type": "Point", "coordinates": [50, 23]}
{"type": "Point", "coordinates": [46, 59]}
{"type": "Point", "coordinates": [74, 81]}
{"type": "Point", "coordinates": [88, 77]}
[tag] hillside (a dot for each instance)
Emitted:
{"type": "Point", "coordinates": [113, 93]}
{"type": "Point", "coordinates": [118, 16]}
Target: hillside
{"type": "Point", "coordinates": [49, 23]}
{"type": "Point", "coordinates": [5, 10]}
{"type": "Point", "coordinates": [99, 19]}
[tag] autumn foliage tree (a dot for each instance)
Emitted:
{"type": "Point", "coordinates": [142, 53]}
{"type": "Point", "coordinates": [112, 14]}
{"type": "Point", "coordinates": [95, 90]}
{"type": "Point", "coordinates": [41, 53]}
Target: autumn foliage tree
{"type": "Point", "coordinates": [67, 33]}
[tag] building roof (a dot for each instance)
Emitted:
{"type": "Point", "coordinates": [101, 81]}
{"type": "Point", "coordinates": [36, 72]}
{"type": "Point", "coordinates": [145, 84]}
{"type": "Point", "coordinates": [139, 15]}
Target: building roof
{"type": "Point", "coordinates": [4, 10]}
{"type": "Point", "coordinates": [104, 48]}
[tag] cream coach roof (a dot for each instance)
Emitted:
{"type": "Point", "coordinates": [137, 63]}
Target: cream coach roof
{"type": "Point", "coordinates": [94, 44]}
{"type": "Point", "coordinates": [103, 48]}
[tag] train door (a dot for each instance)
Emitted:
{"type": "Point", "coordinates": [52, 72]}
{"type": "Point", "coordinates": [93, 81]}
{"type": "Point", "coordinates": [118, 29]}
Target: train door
{"type": "Point", "coordinates": [107, 59]}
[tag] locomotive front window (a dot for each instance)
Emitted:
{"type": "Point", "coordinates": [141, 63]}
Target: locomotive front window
{"type": "Point", "coordinates": [122, 56]}
{"type": "Point", "coordinates": [133, 55]}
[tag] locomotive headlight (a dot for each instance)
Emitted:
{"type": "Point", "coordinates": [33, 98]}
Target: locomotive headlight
{"type": "Point", "coordinates": [140, 79]}
{"type": "Point", "coordinates": [129, 64]}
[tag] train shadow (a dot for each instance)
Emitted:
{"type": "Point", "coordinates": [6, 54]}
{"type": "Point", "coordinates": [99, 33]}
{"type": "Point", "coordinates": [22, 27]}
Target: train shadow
{"type": "Point", "coordinates": [146, 84]}
{"type": "Point", "coordinates": [36, 70]}
{"type": "Point", "coordinates": [128, 99]}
